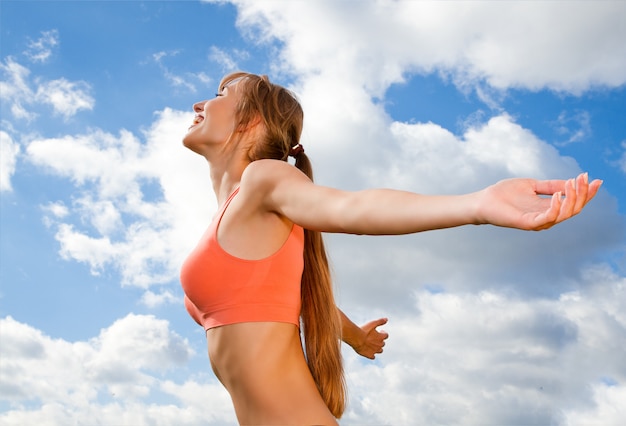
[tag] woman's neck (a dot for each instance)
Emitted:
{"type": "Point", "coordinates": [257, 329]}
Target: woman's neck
{"type": "Point", "coordinates": [226, 176]}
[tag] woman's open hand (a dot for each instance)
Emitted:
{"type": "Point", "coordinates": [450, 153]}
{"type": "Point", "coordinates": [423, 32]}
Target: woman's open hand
{"type": "Point", "coordinates": [522, 203]}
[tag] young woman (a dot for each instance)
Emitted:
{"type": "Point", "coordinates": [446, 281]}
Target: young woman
{"type": "Point", "coordinates": [260, 271]}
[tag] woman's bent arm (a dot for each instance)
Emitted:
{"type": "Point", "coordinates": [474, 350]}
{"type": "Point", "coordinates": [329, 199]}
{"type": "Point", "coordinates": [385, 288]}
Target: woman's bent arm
{"type": "Point", "coordinates": [366, 340]}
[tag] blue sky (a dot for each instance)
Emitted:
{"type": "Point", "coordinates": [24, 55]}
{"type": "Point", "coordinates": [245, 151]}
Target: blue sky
{"type": "Point", "coordinates": [100, 202]}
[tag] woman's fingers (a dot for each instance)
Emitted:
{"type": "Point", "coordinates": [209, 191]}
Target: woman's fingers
{"type": "Point", "coordinates": [569, 202]}
{"type": "Point", "coordinates": [582, 192]}
{"type": "Point", "coordinates": [551, 216]}
{"type": "Point", "coordinates": [569, 197]}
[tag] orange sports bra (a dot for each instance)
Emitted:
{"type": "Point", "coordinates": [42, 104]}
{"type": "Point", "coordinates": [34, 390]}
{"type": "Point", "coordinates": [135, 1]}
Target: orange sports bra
{"type": "Point", "coordinates": [222, 289]}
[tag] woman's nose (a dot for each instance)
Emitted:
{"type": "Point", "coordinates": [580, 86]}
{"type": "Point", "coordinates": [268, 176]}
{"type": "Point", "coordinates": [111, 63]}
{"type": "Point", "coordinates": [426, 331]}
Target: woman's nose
{"type": "Point", "coordinates": [199, 106]}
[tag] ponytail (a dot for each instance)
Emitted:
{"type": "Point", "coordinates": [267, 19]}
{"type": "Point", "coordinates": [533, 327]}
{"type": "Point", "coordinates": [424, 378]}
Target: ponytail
{"type": "Point", "coordinates": [320, 318]}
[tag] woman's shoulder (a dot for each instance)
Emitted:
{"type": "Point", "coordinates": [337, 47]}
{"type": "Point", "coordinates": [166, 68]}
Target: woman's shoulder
{"type": "Point", "coordinates": [266, 174]}
{"type": "Point", "coordinates": [264, 180]}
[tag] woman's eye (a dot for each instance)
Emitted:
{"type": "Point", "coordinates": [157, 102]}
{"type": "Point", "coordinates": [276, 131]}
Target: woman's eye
{"type": "Point", "coordinates": [219, 94]}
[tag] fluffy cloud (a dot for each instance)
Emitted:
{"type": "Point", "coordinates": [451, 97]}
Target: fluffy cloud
{"type": "Point", "coordinates": [24, 96]}
{"type": "Point", "coordinates": [488, 358]}
{"type": "Point", "coordinates": [107, 378]}
{"type": "Point", "coordinates": [118, 360]}
{"type": "Point", "coordinates": [145, 239]}
{"type": "Point", "coordinates": [562, 46]}
{"type": "Point", "coordinates": [65, 97]}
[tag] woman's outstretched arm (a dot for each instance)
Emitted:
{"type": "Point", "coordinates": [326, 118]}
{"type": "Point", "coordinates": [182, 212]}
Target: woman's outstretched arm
{"type": "Point", "coordinates": [527, 204]}
{"type": "Point", "coordinates": [366, 340]}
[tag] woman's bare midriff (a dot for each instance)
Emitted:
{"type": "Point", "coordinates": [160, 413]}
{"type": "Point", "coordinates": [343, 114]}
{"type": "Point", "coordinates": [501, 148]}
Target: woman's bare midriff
{"type": "Point", "coordinates": [262, 366]}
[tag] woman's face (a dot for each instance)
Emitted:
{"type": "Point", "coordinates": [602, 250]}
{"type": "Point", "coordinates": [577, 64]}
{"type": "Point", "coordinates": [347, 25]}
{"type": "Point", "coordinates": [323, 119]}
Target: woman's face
{"type": "Point", "coordinates": [214, 121]}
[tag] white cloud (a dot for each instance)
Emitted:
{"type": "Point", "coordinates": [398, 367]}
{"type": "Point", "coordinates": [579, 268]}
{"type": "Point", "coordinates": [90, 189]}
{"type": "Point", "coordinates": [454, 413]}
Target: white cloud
{"type": "Point", "coordinates": [65, 97]}
{"type": "Point", "coordinates": [97, 252]}
{"type": "Point", "coordinates": [9, 152]}
{"type": "Point", "coordinates": [140, 342]}
{"type": "Point", "coordinates": [58, 209]}
{"type": "Point", "coordinates": [489, 151]}
{"type": "Point", "coordinates": [119, 360]}
{"type": "Point", "coordinates": [564, 46]}
{"type": "Point", "coordinates": [489, 358]}
{"type": "Point", "coordinates": [15, 88]}
{"type": "Point", "coordinates": [109, 377]}
{"type": "Point", "coordinates": [153, 300]}
{"type": "Point", "coordinates": [40, 50]}
{"type": "Point", "coordinates": [95, 157]}
{"type": "Point", "coordinates": [113, 223]}
{"type": "Point", "coordinates": [102, 214]}
{"type": "Point", "coordinates": [53, 212]}
{"type": "Point", "coordinates": [607, 408]}
{"type": "Point", "coordinates": [24, 96]}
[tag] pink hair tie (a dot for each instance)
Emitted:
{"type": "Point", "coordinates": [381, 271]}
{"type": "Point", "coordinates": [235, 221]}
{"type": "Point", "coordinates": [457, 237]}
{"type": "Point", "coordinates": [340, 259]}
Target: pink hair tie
{"type": "Point", "coordinates": [296, 150]}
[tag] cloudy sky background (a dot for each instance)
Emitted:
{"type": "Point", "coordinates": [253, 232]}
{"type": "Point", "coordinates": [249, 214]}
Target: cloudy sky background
{"type": "Point", "coordinates": [101, 203]}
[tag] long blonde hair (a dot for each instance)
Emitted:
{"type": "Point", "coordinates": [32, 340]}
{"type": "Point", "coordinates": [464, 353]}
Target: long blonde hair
{"type": "Point", "coordinates": [282, 118]}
